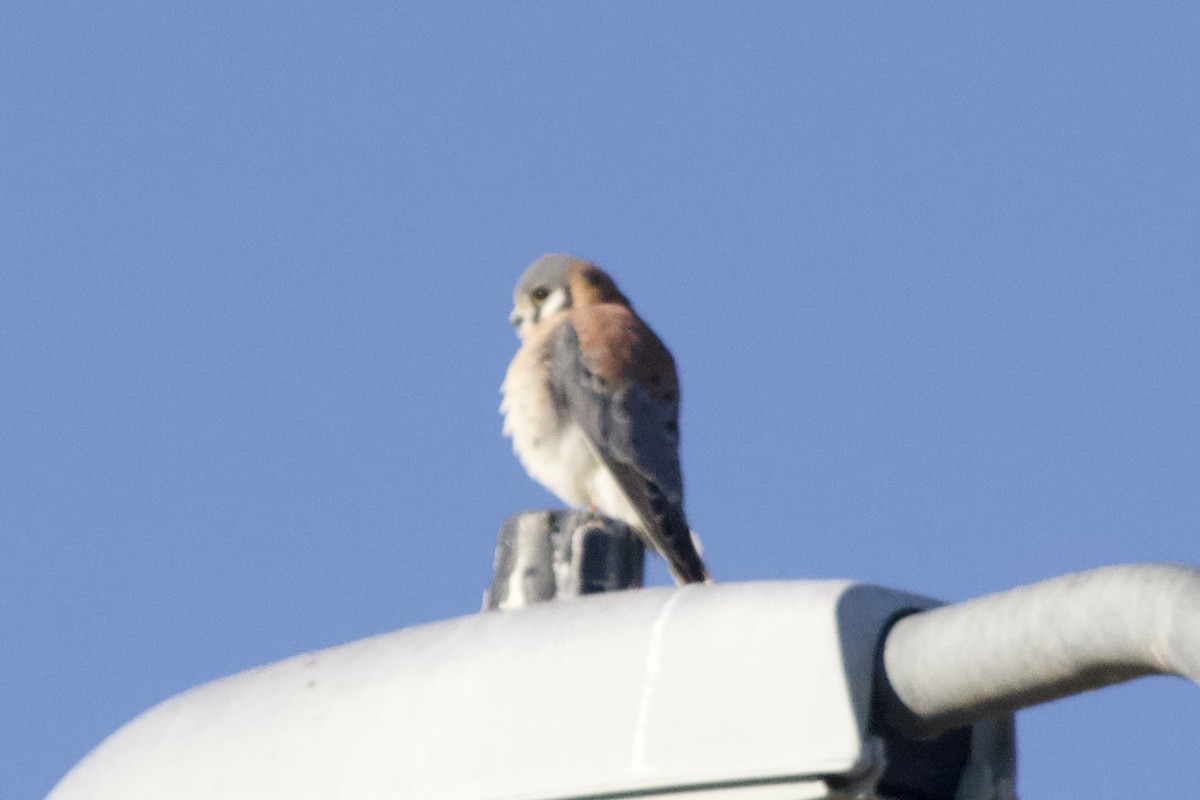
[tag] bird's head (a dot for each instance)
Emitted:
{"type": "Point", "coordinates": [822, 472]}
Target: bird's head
{"type": "Point", "coordinates": [555, 283]}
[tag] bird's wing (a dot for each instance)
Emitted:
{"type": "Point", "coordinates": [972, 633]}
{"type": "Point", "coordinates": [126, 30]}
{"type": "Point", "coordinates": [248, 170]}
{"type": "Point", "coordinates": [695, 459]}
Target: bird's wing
{"type": "Point", "coordinates": [613, 377]}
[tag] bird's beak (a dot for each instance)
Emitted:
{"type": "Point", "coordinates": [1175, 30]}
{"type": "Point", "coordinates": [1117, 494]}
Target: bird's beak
{"type": "Point", "coordinates": [515, 319]}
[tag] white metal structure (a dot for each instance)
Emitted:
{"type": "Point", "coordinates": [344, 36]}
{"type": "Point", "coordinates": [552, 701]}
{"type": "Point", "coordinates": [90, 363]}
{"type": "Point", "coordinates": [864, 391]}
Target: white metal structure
{"type": "Point", "coordinates": [759, 691]}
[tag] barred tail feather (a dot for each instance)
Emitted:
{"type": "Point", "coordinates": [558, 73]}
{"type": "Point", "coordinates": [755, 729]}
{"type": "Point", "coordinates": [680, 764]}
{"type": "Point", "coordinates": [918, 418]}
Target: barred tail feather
{"type": "Point", "coordinates": [678, 546]}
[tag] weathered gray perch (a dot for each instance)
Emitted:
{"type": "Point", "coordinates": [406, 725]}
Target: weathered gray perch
{"type": "Point", "coordinates": [545, 554]}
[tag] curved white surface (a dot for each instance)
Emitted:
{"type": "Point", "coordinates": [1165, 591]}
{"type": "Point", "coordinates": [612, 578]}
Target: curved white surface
{"type": "Point", "coordinates": [698, 688]}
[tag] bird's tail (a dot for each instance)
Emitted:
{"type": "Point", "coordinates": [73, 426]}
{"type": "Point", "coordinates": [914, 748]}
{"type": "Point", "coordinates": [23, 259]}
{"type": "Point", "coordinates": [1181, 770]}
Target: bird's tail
{"type": "Point", "coordinates": [680, 547]}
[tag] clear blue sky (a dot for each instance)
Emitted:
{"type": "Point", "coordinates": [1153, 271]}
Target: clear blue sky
{"type": "Point", "coordinates": [931, 273]}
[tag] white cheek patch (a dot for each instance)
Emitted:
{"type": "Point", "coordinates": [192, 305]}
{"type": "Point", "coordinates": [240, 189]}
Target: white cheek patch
{"type": "Point", "coordinates": [554, 302]}
{"type": "Point", "coordinates": [533, 315]}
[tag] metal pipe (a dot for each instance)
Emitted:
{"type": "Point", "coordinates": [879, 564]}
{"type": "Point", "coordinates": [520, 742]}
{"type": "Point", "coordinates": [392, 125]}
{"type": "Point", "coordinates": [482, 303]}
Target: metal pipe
{"type": "Point", "coordinates": [957, 664]}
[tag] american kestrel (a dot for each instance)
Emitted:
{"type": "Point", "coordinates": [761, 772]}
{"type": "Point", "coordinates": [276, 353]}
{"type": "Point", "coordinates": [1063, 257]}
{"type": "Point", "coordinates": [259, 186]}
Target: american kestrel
{"type": "Point", "coordinates": [591, 401]}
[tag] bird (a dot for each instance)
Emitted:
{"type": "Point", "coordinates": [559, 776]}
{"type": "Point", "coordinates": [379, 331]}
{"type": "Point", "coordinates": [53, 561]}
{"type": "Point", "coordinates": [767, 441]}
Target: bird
{"type": "Point", "coordinates": [591, 402]}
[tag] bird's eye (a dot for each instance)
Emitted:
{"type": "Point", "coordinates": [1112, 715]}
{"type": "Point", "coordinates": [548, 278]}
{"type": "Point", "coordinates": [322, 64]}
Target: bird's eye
{"type": "Point", "coordinates": [539, 294]}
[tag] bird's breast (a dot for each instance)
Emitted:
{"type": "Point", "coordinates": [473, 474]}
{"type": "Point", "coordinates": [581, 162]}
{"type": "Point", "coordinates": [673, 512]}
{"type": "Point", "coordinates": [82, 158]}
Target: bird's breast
{"type": "Point", "coordinates": [551, 446]}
